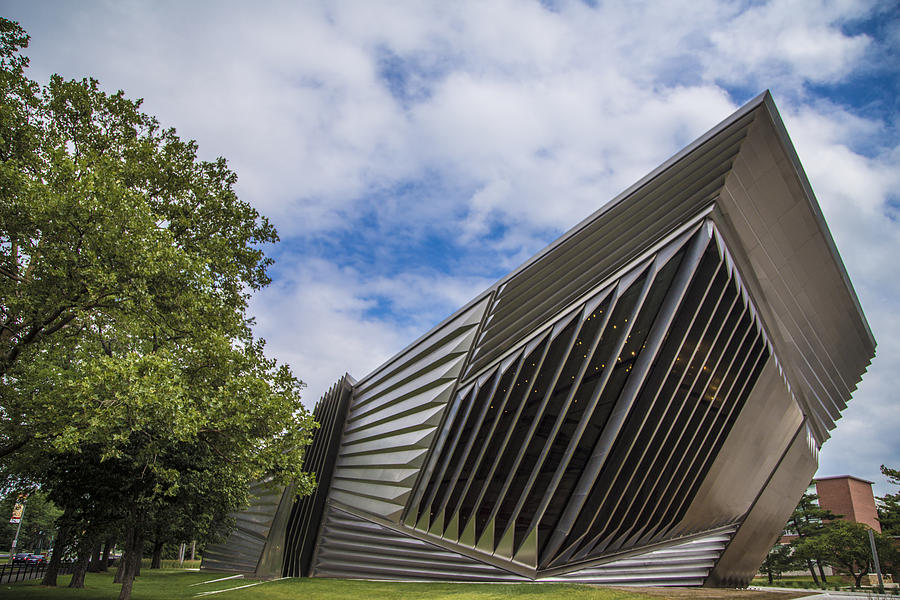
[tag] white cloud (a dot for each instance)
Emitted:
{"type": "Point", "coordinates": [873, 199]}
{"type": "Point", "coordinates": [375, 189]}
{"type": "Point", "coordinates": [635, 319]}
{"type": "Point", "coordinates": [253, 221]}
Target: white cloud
{"type": "Point", "coordinates": [855, 192]}
{"type": "Point", "coordinates": [788, 41]}
{"type": "Point", "coordinates": [314, 319]}
{"type": "Point", "coordinates": [325, 320]}
{"type": "Point", "coordinates": [511, 122]}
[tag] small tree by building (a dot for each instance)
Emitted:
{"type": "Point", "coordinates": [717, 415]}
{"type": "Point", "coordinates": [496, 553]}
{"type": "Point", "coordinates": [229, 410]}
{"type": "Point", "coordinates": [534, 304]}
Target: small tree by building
{"type": "Point", "coordinates": [807, 521]}
{"type": "Point", "coordinates": [780, 558]}
{"type": "Point", "coordinates": [845, 545]}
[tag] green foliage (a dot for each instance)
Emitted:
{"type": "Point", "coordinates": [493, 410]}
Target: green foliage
{"type": "Point", "coordinates": [889, 505]}
{"type": "Point", "coordinates": [893, 475]}
{"type": "Point", "coordinates": [132, 390]}
{"type": "Point", "coordinates": [845, 545]}
{"type": "Point", "coordinates": [38, 523]}
{"type": "Point", "coordinates": [809, 520]}
{"type": "Point", "coordinates": [889, 514]}
{"type": "Point", "coordinates": [780, 558]}
{"type": "Point", "coordinates": [173, 563]}
{"type": "Point", "coordinates": [126, 265]}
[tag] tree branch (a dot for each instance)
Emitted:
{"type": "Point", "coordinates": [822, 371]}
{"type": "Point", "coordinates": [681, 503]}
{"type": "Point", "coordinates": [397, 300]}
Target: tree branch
{"type": "Point", "coordinates": [14, 446]}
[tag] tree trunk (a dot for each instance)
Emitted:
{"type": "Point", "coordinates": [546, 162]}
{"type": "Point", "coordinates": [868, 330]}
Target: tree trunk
{"type": "Point", "coordinates": [56, 559]}
{"type": "Point", "coordinates": [96, 556]}
{"type": "Point", "coordinates": [138, 553]}
{"type": "Point", "coordinates": [104, 561]}
{"type": "Point", "coordinates": [812, 571]}
{"type": "Point", "coordinates": [822, 572]}
{"type": "Point", "coordinates": [131, 562]}
{"type": "Point", "coordinates": [127, 570]}
{"type": "Point", "coordinates": [81, 564]}
{"type": "Point", "coordinates": [769, 573]}
{"type": "Point", "coordinates": [194, 550]}
{"type": "Point", "coordinates": [156, 561]}
{"type": "Point", "coordinates": [127, 585]}
{"type": "Point", "coordinates": [120, 570]}
{"type": "Point", "coordinates": [126, 555]}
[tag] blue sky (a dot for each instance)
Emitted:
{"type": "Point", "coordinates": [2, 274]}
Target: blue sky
{"type": "Point", "coordinates": [411, 153]}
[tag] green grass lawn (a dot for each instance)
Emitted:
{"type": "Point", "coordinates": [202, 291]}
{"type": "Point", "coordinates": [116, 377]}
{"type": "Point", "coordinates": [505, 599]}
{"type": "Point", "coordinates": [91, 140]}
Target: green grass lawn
{"type": "Point", "coordinates": [806, 581]}
{"type": "Point", "coordinates": [174, 584]}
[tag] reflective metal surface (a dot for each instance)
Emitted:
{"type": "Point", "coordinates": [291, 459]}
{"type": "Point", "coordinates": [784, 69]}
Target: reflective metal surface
{"type": "Point", "coordinates": [641, 402]}
{"type": "Point", "coordinates": [244, 547]}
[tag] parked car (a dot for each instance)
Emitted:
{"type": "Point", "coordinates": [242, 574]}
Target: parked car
{"type": "Point", "coordinates": [35, 559]}
{"type": "Point", "coordinates": [20, 558]}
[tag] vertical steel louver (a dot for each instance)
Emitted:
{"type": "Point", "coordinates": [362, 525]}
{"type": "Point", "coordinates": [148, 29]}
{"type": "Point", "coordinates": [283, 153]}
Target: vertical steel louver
{"type": "Point", "coordinates": [306, 514]}
{"type": "Point", "coordinates": [246, 545]}
{"type": "Point", "coordinates": [603, 420]}
{"type": "Point", "coordinates": [640, 403]}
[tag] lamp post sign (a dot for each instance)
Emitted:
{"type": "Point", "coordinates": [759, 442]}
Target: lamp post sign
{"type": "Point", "coordinates": [18, 509]}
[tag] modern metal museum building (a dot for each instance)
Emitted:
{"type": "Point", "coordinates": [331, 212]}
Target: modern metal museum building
{"type": "Point", "coordinates": [642, 402]}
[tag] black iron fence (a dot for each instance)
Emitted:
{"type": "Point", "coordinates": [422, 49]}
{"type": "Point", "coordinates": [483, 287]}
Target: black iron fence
{"type": "Point", "coordinates": [24, 572]}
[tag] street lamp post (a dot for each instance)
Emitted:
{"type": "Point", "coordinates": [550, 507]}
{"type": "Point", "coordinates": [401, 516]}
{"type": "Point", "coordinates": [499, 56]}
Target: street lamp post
{"type": "Point", "coordinates": [12, 549]}
{"type": "Point", "coordinates": [877, 564]}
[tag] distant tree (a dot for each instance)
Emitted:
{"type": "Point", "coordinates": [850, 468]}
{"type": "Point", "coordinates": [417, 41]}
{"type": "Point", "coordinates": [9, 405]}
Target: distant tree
{"type": "Point", "coordinates": [808, 520]}
{"type": "Point", "coordinates": [893, 475]}
{"type": "Point", "coordinates": [889, 514]}
{"type": "Point", "coordinates": [780, 558]}
{"type": "Point", "coordinates": [38, 523]}
{"type": "Point", "coordinates": [889, 505]}
{"type": "Point", "coordinates": [845, 545]}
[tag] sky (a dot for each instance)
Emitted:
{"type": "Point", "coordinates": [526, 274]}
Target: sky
{"type": "Point", "coordinates": [412, 153]}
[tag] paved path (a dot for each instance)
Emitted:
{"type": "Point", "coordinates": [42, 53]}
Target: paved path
{"type": "Point", "coordinates": [753, 593]}
{"type": "Point", "coordinates": [818, 594]}
{"type": "Point", "coordinates": [701, 593]}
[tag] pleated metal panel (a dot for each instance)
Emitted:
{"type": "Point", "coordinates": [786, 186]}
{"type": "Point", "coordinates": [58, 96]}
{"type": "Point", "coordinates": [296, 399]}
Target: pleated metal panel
{"type": "Point", "coordinates": [578, 429]}
{"type": "Point", "coordinates": [606, 240]}
{"type": "Point", "coordinates": [691, 395]}
{"type": "Point", "coordinates": [394, 415]}
{"type": "Point", "coordinates": [682, 564]}
{"type": "Point", "coordinates": [242, 550]}
{"type": "Point", "coordinates": [583, 410]}
{"type": "Point", "coordinates": [768, 212]}
{"type": "Point", "coordinates": [301, 531]}
{"type": "Point", "coordinates": [354, 547]}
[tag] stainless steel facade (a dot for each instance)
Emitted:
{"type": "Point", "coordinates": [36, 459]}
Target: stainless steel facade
{"type": "Point", "coordinates": [641, 403]}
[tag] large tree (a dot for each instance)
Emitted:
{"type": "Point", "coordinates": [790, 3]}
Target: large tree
{"type": "Point", "coordinates": [809, 520]}
{"type": "Point", "coordinates": [845, 545]}
{"type": "Point", "coordinates": [126, 355]}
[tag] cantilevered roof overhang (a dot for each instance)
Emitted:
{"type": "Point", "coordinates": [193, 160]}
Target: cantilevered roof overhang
{"type": "Point", "coordinates": [642, 401]}
{"type": "Point", "coordinates": [745, 175]}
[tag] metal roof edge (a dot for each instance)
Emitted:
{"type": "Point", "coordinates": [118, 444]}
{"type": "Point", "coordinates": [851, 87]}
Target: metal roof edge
{"type": "Point", "coordinates": [419, 340]}
{"type": "Point", "coordinates": [788, 146]}
{"type": "Point", "coordinates": [737, 115]}
{"type": "Point", "coordinates": [743, 111]}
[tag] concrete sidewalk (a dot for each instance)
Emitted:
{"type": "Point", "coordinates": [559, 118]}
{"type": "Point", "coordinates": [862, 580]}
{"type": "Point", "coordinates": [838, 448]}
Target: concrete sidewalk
{"type": "Point", "coordinates": [821, 594]}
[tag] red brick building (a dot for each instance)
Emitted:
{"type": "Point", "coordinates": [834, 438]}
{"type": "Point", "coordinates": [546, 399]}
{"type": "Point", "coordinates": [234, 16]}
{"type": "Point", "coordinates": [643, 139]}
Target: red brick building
{"type": "Point", "coordinates": [850, 497]}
